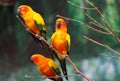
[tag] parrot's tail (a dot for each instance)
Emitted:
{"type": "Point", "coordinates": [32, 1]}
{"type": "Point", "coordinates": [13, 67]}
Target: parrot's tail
{"type": "Point", "coordinates": [62, 63]}
{"type": "Point", "coordinates": [57, 79]}
{"type": "Point", "coordinates": [63, 66]}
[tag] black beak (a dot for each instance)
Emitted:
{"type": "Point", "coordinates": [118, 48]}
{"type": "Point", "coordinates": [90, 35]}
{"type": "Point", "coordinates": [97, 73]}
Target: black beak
{"type": "Point", "coordinates": [18, 12]}
{"type": "Point", "coordinates": [31, 60]}
{"type": "Point", "coordinates": [58, 25]}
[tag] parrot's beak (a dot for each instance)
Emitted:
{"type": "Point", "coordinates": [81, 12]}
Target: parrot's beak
{"type": "Point", "coordinates": [58, 24]}
{"type": "Point", "coordinates": [31, 60]}
{"type": "Point", "coordinates": [18, 12]}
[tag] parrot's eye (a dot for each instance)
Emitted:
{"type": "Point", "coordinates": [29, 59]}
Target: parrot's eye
{"type": "Point", "coordinates": [23, 8]}
{"type": "Point", "coordinates": [62, 22]}
{"type": "Point", "coordinates": [58, 24]}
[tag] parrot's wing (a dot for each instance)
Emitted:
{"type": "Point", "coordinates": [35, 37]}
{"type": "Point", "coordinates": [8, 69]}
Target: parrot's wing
{"type": "Point", "coordinates": [39, 21]}
{"type": "Point", "coordinates": [68, 43]}
{"type": "Point", "coordinates": [54, 67]}
{"type": "Point", "coordinates": [40, 71]}
{"type": "Point", "coordinates": [52, 37]}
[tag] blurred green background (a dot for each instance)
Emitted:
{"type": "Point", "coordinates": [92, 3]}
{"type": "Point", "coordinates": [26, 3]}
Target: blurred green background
{"type": "Point", "coordinates": [16, 45]}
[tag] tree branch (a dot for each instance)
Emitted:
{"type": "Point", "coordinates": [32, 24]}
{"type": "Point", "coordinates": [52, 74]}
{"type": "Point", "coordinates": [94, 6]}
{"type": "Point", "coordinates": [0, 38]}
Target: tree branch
{"type": "Point", "coordinates": [118, 58]}
{"type": "Point", "coordinates": [83, 24]}
{"type": "Point", "coordinates": [100, 44]}
{"type": "Point", "coordinates": [30, 76]}
{"type": "Point", "coordinates": [80, 6]}
{"type": "Point", "coordinates": [96, 22]}
{"type": "Point", "coordinates": [76, 69]}
{"type": "Point", "coordinates": [104, 19]}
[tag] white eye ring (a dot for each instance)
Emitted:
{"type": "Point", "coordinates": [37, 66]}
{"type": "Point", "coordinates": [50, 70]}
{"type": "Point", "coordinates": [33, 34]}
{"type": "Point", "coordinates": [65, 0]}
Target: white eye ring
{"type": "Point", "coordinates": [62, 22]}
{"type": "Point", "coordinates": [22, 8]}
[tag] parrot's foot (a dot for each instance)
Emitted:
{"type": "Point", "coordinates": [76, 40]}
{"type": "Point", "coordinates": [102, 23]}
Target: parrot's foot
{"type": "Point", "coordinates": [64, 56]}
{"type": "Point", "coordinates": [27, 29]}
{"type": "Point", "coordinates": [57, 76]}
{"type": "Point", "coordinates": [41, 38]}
{"type": "Point", "coordinates": [44, 77]}
{"type": "Point", "coordinates": [51, 47]}
{"type": "Point", "coordinates": [36, 35]}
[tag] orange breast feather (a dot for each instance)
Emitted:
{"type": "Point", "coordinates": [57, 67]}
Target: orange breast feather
{"type": "Point", "coordinates": [30, 24]}
{"type": "Point", "coordinates": [46, 70]}
{"type": "Point", "coordinates": [59, 42]}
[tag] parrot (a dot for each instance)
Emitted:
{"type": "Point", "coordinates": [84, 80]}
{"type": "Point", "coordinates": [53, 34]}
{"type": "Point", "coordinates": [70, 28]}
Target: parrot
{"type": "Point", "coordinates": [35, 22]}
{"type": "Point", "coordinates": [61, 41]}
{"type": "Point", "coordinates": [47, 67]}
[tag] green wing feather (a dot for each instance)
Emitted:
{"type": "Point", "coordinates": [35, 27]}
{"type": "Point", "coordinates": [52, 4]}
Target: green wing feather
{"type": "Point", "coordinates": [40, 23]}
{"type": "Point", "coordinates": [54, 67]}
{"type": "Point", "coordinates": [68, 42]}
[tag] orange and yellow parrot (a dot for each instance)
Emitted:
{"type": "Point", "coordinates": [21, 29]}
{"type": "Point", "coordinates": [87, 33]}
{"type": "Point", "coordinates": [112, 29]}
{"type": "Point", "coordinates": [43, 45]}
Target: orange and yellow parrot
{"type": "Point", "coordinates": [33, 20]}
{"type": "Point", "coordinates": [61, 42]}
{"type": "Point", "coordinates": [47, 67]}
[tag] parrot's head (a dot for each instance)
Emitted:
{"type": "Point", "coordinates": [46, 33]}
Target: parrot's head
{"type": "Point", "coordinates": [24, 10]}
{"type": "Point", "coordinates": [61, 25]}
{"type": "Point", "coordinates": [37, 58]}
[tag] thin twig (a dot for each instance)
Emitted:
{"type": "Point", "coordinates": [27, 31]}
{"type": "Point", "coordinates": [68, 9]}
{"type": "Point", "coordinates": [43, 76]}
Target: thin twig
{"type": "Point", "coordinates": [105, 20]}
{"type": "Point", "coordinates": [110, 56]}
{"type": "Point", "coordinates": [100, 44]}
{"type": "Point", "coordinates": [117, 31]}
{"type": "Point", "coordinates": [80, 6]}
{"type": "Point", "coordinates": [98, 24]}
{"type": "Point", "coordinates": [83, 24]}
{"type": "Point", "coordinates": [64, 56]}
{"type": "Point", "coordinates": [76, 69]}
{"type": "Point", "coordinates": [58, 76]}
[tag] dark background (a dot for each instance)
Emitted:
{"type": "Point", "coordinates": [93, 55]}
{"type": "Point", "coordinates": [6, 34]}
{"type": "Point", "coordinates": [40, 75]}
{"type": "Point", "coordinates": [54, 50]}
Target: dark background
{"type": "Point", "coordinates": [16, 45]}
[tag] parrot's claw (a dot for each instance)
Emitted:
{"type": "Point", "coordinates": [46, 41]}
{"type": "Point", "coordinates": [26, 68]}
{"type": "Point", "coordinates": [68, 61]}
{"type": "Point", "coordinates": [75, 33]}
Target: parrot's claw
{"type": "Point", "coordinates": [57, 76]}
{"type": "Point", "coordinates": [41, 38]}
{"type": "Point", "coordinates": [44, 77]}
{"type": "Point", "coordinates": [64, 56]}
{"type": "Point", "coordinates": [51, 47]}
{"type": "Point", "coordinates": [36, 35]}
{"type": "Point", "coordinates": [27, 29]}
